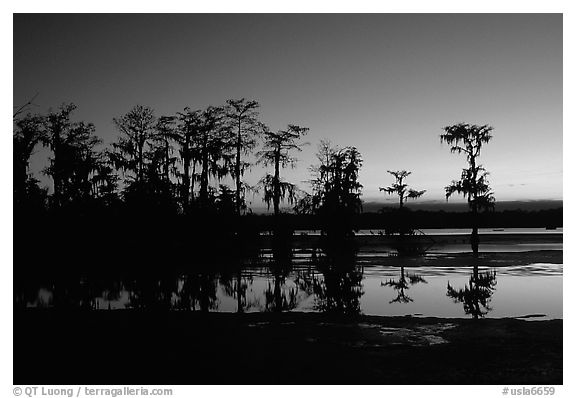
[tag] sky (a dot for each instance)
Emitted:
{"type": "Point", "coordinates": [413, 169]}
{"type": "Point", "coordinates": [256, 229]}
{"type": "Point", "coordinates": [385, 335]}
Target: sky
{"type": "Point", "coordinates": [384, 83]}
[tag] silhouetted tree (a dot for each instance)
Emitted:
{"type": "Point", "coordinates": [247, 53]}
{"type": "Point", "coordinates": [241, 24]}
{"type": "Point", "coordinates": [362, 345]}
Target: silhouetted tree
{"type": "Point", "coordinates": [305, 204]}
{"type": "Point", "coordinates": [336, 187]}
{"type": "Point", "coordinates": [23, 108]}
{"type": "Point", "coordinates": [400, 221]}
{"type": "Point", "coordinates": [244, 126]}
{"type": "Point", "coordinates": [276, 152]}
{"type": "Point", "coordinates": [136, 128]}
{"type": "Point", "coordinates": [105, 180]}
{"type": "Point", "coordinates": [29, 132]}
{"type": "Point", "coordinates": [212, 149]}
{"type": "Point", "coordinates": [226, 201]}
{"type": "Point", "coordinates": [473, 183]}
{"type": "Point", "coordinates": [160, 165]}
{"type": "Point", "coordinates": [162, 138]}
{"type": "Point", "coordinates": [80, 162]}
{"type": "Point", "coordinates": [74, 158]}
{"type": "Point", "coordinates": [57, 124]}
{"type": "Point", "coordinates": [400, 188]}
{"type": "Point", "coordinates": [186, 134]}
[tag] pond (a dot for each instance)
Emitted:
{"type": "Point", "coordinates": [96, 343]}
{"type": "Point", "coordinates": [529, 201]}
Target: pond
{"type": "Point", "coordinates": [436, 285]}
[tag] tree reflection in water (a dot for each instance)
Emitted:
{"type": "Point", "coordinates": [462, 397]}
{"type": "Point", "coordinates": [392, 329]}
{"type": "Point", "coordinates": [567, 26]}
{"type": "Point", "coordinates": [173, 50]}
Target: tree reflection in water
{"type": "Point", "coordinates": [198, 291]}
{"type": "Point", "coordinates": [235, 285]}
{"type": "Point", "coordinates": [276, 298]}
{"type": "Point", "coordinates": [235, 280]}
{"type": "Point", "coordinates": [476, 296]}
{"type": "Point", "coordinates": [152, 292]}
{"type": "Point", "coordinates": [402, 284]}
{"type": "Point", "coordinates": [332, 279]}
{"type": "Point", "coordinates": [340, 289]}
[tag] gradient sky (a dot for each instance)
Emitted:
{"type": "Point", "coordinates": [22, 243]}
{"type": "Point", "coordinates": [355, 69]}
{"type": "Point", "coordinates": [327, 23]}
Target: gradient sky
{"type": "Point", "coordinates": [385, 83]}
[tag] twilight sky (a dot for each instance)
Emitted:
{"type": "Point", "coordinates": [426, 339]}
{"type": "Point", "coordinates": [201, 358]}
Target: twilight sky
{"type": "Point", "coordinates": [385, 83]}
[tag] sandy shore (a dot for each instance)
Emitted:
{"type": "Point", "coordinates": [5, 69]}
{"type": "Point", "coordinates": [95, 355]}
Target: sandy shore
{"type": "Point", "coordinates": [132, 347]}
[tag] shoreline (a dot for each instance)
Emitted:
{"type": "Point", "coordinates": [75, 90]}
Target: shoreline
{"type": "Point", "coordinates": [211, 348]}
{"type": "Point", "coordinates": [494, 259]}
{"type": "Point", "coordinates": [188, 347]}
{"type": "Point", "coordinates": [371, 241]}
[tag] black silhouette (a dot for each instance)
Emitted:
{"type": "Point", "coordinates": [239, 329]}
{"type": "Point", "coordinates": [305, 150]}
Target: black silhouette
{"type": "Point", "coordinates": [337, 191]}
{"type": "Point", "coordinates": [169, 237]}
{"type": "Point", "coordinates": [163, 152]}
{"type": "Point", "coordinates": [211, 149]}
{"type": "Point", "coordinates": [400, 226]}
{"type": "Point", "coordinates": [29, 132]}
{"type": "Point", "coordinates": [476, 296]}
{"type": "Point", "coordinates": [137, 129]}
{"type": "Point", "coordinates": [244, 126]}
{"type": "Point", "coordinates": [276, 152]}
{"type": "Point", "coordinates": [400, 188]}
{"type": "Point", "coordinates": [74, 158]}
{"type": "Point", "coordinates": [402, 284]}
{"type": "Point", "coordinates": [185, 135]}
{"type": "Point", "coordinates": [142, 248]}
{"type": "Point", "coordinates": [23, 108]}
{"type": "Point", "coordinates": [473, 183]}
{"type": "Point", "coordinates": [278, 299]}
{"type": "Point", "coordinates": [339, 289]}
{"type": "Point", "coordinates": [198, 291]}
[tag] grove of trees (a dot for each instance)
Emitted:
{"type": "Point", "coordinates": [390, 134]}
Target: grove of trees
{"type": "Point", "coordinates": [176, 165]}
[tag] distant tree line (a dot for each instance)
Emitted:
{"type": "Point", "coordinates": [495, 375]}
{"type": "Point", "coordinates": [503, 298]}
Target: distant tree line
{"type": "Point", "coordinates": [421, 219]}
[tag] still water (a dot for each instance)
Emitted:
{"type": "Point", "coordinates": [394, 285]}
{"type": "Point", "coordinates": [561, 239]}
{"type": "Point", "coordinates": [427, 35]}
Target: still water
{"type": "Point", "coordinates": [457, 231]}
{"type": "Point", "coordinates": [307, 283]}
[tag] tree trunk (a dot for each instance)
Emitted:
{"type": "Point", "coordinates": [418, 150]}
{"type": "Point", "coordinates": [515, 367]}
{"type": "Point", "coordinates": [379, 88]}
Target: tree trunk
{"type": "Point", "coordinates": [56, 172]}
{"type": "Point", "coordinates": [166, 161]}
{"type": "Point", "coordinates": [237, 169]}
{"type": "Point", "coordinates": [186, 177]}
{"type": "Point", "coordinates": [401, 193]}
{"type": "Point", "coordinates": [193, 181]}
{"type": "Point", "coordinates": [140, 161]}
{"type": "Point", "coordinates": [277, 183]}
{"type": "Point", "coordinates": [474, 238]}
{"type": "Point", "coordinates": [204, 175]}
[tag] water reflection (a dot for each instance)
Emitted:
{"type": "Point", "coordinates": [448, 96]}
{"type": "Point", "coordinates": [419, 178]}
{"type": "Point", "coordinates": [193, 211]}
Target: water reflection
{"type": "Point", "coordinates": [402, 284]}
{"type": "Point", "coordinates": [153, 292]}
{"type": "Point", "coordinates": [475, 297]}
{"type": "Point", "coordinates": [197, 291]}
{"type": "Point", "coordinates": [336, 281]}
{"type": "Point", "coordinates": [339, 289]}
{"type": "Point", "coordinates": [277, 297]}
{"type": "Point", "coordinates": [235, 285]}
